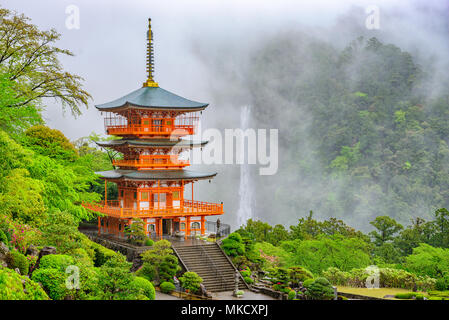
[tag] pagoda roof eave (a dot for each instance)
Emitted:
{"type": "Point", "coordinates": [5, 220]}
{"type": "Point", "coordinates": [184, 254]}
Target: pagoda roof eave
{"type": "Point", "coordinates": [152, 98]}
{"type": "Point", "coordinates": [154, 175]}
{"type": "Point", "coordinates": [183, 143]}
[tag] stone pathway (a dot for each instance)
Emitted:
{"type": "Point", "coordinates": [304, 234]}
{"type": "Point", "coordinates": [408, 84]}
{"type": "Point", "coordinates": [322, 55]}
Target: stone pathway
{"type": "Point", "coordinates": [248, 295]}
{"type": "Point", "coordinates": [163, 296]}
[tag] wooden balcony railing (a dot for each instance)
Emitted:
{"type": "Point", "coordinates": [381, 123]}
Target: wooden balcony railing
{"type": "Point", "coordinates": [140, 130]}
{"type": "Point", "coordinates": [114, 209]}
{"type": "Point", "coordinates": [151, 163]}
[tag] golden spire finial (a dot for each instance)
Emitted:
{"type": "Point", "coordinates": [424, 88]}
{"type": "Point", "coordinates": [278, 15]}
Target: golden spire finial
{"type": "Point", "coordinates": [150, 58]}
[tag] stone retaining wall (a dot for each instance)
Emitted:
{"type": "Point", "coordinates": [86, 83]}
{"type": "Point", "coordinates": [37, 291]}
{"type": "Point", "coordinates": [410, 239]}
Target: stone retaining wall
{"type": "Point", "coordinates": [131, 252]}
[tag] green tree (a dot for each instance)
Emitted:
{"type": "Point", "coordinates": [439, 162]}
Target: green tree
{"type": "Point", "coordinates": [191, 281]}
{"type": "Point", "coordinates": [50, 142]}
{"type": "Point", "coordinates": [21, 197]}
{"type": "Point", "coordinates": [135, 232]}
{"type": "Point", "coordinates": [30, 58]}
{"type": "Point", "coordinates": [387, 227]}
{"type": "Point", "coordinates": [428, 260]}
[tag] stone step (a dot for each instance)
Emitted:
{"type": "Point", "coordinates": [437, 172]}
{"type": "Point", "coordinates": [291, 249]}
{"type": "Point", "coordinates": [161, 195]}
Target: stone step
{"type": "Point", "coordinates": [198, 259]}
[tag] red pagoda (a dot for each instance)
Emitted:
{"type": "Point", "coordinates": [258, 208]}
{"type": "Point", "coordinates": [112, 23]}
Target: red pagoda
{"type": "Point", "coordinates": [152, 124]}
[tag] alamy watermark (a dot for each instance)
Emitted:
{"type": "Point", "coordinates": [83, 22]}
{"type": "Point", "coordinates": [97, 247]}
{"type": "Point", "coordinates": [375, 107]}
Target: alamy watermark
{"type": "Point", "coordinates": [73, 17]}
{"type": "Point", "coordinates": [373, 279]}
{"type": "Point", "coordinates": [236, 146]}
{"type": "Point", "coordinates": [372, 21]}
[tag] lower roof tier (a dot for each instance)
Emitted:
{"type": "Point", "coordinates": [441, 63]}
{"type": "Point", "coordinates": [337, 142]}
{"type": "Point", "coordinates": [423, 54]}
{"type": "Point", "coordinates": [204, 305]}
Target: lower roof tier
{"type": "Point", "coordinates": [157, 143]}
{"type": "Point", "coordinates": [163, 175]}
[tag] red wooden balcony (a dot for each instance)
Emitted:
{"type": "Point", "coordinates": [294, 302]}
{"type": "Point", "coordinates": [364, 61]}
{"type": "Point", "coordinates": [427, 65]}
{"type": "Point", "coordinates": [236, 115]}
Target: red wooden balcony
{"type": "Point", "coordinates": [152, 163]}
{"type": "Point", "coordinates": [114, 209]}
{"type": "Point", "coordinates": [141, 130]}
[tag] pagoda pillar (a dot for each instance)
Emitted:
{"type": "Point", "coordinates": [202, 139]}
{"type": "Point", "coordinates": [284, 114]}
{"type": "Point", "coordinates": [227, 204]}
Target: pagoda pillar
{"type": "Point", "coordinates": [160, 227]}
{"type": "Point", "coordinates": [99, 225]}
{"type": "Point", "coordinates": [187, 232]}
{"type": "Point", "coordinates": [203, 225]}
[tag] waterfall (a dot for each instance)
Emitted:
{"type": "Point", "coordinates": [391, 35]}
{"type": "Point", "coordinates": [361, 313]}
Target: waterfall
{"type": "Point", "coordinates": [245, 188]}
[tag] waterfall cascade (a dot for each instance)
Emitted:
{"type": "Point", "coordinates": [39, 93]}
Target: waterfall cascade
{"type": "Point", "coordinates": [245, 211]}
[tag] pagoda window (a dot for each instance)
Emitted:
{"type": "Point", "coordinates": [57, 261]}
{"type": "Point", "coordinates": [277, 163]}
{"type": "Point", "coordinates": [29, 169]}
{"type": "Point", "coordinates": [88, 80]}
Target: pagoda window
{"type": "Point", "coordinates": [195, 225]}
{"type": "Point", "coordinates": [175, 195]}
{"type": "Point", "coordinates": [151, 228]}
{"type": "Point", "coordinates": [135, 195]}
{"type": "Point", "coordinates": [183, 226]}
{"type": "Point", "coordinates": [144, 196]}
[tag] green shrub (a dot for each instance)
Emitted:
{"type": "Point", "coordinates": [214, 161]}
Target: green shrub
{"type": "Point", "coordinates": [167, 287]}
{"type": "Point", "coordinates": [191, 281]}
{"type": "Point", "coordinates": [441, 294]}
{"type": "Point", "coordinates": [292, 295]}
{"type": "Point", "coordinates": [248, 280]}
{"type": "Point", "coordinates": [277, 287]}
{"type": "Point", "coordinates": [102, 255]}
{"type": "Point", "coordinates": [56, 261]}
{"type": "Point", "coordinates": [388, 278]}
{"type": "Point", "coordinates": [15, 259]}
{"type": "Point", "coordinates": [443, 283]}
{"type": "Point", "coordinates": [307, 283]}
{"type": "Point", "coordinates": [53, 281]}
{"type": "Point", "coordinates": [320, 289]}
{"type": "Point", "coordinates": [298, 274]}
{"type": "Point", "coordinates": [246, 272]}
{"type": "Point", "coordinates": [147, 271]}
{"type": "Point", "coordinates": [149, 242]}
{"type": "Point", "coordinates": [409, 295]}
{"type": "Point", "coordinates": [143, 287]}
{"type": "Point", "coordinates": [168, 268]}
{"type": "Point", "coordinates": [16, 287]}
{"type": "Point", "coordinates": [3, 237]}
{"type": "Point", "coordinates": [233, 245]}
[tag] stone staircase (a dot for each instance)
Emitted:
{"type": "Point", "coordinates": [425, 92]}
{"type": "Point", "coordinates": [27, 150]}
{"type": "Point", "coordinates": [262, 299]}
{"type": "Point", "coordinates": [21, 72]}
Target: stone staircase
{"type": "Point", "coordinates": [211, 264]}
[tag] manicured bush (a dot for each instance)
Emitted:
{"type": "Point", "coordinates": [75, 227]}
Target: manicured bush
{"type": "Point", "coordinates": [149, 242]}
{"type": "Point", "coordinates": [53, 281]}
{"type": "Point", "coordinates": [16, 287]}
{"type": "Point", "coordinates": [15, 259]}
{"type": "Point", "coordinates": [233, 245]}
{"type": "Point", "coordinates": [191, 281]}
{"type": "Point", "coordinates": [167, 287]}
{"type": "Point", "coordinates": [168, 268]}
{"type": "Point", "coordinates": [298, 274]}
{"type": "Point", "coordinates": [147, 271]}
{"type": "Point", "coordinates": [307, 283]}
{"type": "Point", "coordinates": [320, 289]}
{"type": "Point", "coordinates": [143, 287]}
{"type": "Point", "coordinates": [409, 295]}
{"type": "Point", "coordinates": [245, 272]}
{"type": "Point", "coordinates": [292, 295]}
{"type": "Point", "coordinates": [56, 261]}
{"type": "Point", "coordinates": [248, 280]}
{"type": "Point", "coordinates": [102, 255]}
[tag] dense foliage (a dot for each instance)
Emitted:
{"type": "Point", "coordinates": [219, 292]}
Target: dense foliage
{"type": "Point", "coordinates": [414, 257]}
{"type": "Point", "coordinates": [362, 131]}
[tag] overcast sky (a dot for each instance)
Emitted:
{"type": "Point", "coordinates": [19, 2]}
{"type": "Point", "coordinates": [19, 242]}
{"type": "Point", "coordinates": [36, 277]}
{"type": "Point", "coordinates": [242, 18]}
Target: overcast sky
{"type": "Point", "coordinates": [110, 45]}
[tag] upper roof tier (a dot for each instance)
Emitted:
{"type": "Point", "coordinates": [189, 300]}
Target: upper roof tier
{"type": "Point", "coordinates": [152, 98]}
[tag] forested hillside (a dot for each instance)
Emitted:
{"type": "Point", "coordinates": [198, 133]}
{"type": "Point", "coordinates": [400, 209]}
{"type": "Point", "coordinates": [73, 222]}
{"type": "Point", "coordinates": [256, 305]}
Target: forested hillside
{"type": "Point", "coordinates": [363, 131]}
